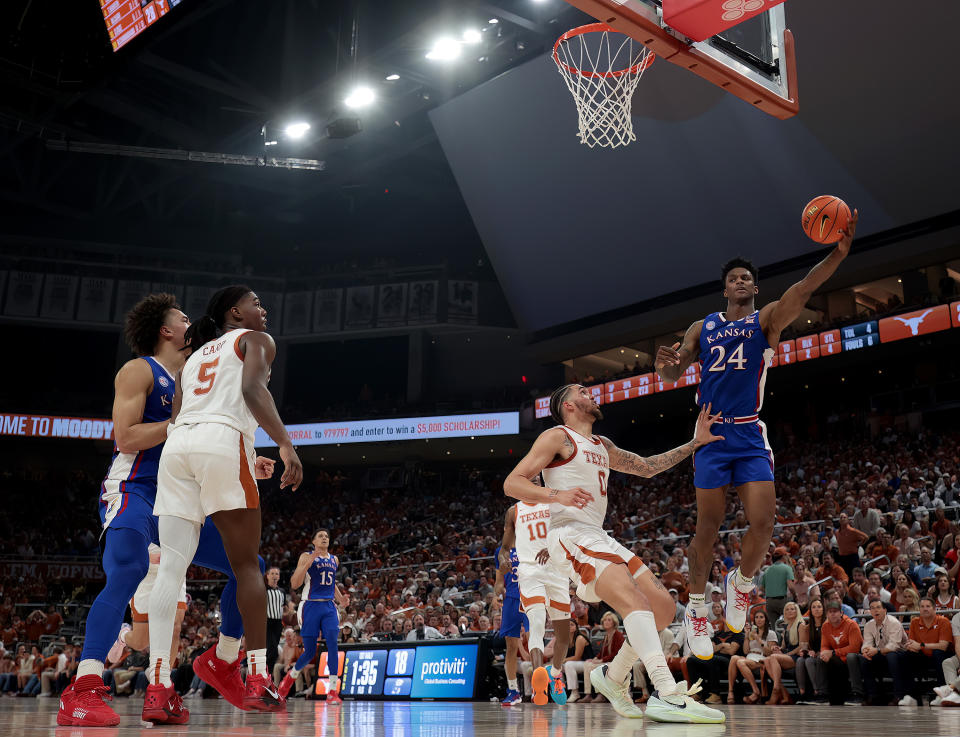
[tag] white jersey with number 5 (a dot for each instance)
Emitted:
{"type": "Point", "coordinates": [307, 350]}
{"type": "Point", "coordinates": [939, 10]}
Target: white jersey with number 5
{"type": "Point", "coordinates": [212, 386]}
{"type": "Point", "coordinates": [532, 522]}
{"type": "Point", "coordinates": [588, 468]}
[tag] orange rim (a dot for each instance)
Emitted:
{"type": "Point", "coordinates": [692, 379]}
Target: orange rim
{"type": "Point", "coordinates": [598, 28]}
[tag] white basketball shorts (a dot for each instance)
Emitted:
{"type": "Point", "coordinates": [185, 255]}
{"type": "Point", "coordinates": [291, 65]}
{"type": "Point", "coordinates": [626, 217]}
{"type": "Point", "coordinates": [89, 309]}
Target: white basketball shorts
{"type": "Point", "coordinates": [205, 468]}
{"type": "Point", "coordinates": [546, 585]}
{"type": "Point", "coordinates": [589, 550]}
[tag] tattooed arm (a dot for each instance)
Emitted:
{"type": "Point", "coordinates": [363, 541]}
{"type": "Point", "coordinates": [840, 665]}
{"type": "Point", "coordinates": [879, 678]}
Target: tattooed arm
{"type": "Point", "coordinates": [627, 462]}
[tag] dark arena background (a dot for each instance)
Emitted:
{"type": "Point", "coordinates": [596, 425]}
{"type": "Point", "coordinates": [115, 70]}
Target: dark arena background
{"type": "Point", "coordinates": [403, 188]}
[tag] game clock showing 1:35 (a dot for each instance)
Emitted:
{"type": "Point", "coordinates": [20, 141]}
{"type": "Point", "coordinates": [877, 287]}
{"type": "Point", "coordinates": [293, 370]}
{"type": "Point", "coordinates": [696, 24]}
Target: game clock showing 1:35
{"type": "Point", "coordinates": [364, 672]}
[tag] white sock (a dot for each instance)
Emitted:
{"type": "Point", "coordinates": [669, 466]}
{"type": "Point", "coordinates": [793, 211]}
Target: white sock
{"type": "Point", "coordinates": [228, 648]}
{"type": "Point", "coordinates": [257, 661]}
{"type": "Point", "coordinates": [555, 671]}
{"type": "Point", "coordinates": [622, 663]}
{"type": "Point", "coordinates": [538, 625]}
{"type": "Point", "coordinates": [293, 673]}
{"type": "Point", "coordinates": [742, 581]}
{"type": "Point", "coordinates": [334, 682]}
{"type": "Point", "coordinates": [643, 637]}
{"type": "Point", "coordinates": [698, 603]}
{"type": "Point", "coordinates": [178, 544]}
{"type": "Point", "coordinates": [512, 685]}
{"type": "Point", "coordinates": [90, 667]}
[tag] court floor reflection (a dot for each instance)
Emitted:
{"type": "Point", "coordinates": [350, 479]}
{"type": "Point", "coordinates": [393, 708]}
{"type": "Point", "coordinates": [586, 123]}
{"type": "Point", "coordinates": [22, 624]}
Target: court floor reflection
{"type": "Point", "coordinates": [37, 717]}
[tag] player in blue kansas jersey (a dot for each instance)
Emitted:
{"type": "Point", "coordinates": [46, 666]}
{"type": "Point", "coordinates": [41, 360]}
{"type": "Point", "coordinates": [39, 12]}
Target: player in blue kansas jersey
{"type": "Point", "coordinates": [512, 620]}
{"type": "Point", "coordinates": [144, 387]}
{"type": "Point", "coordinates": [317, 573]}
{"type": "Point", "coordinates": [734, 349]}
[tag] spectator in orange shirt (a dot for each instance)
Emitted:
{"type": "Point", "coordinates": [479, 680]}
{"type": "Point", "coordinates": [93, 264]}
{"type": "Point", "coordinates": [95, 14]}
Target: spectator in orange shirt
{"type": "Point", "coordinates": [52, 621]}
{"type": "Point", "coordinates": [929, 640]}
{"type": "Point", "coordinates": [839, 637]}
{"type": "Point", "coordinates": [829, 568]}
{"type": "Point", "coordinates": [849, 540]}
{"type": "Point", "coordinates": [883, 546]}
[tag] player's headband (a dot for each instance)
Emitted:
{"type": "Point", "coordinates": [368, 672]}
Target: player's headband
{"type": "Point", "coordinates": [556, 399]}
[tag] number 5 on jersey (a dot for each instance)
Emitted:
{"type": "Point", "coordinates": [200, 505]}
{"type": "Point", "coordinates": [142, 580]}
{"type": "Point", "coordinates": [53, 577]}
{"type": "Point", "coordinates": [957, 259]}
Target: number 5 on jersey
{"type": "Point", "coordinates": [206, 375]}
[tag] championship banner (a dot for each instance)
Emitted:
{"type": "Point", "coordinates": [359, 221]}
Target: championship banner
{"type": "Point", "coordinates": [45, 426]}
{"type": "Point", "coordinates": [359, 308]}
{"type": "Point", "coordinates": [45, 570]}
{"type": "Point", "coordinates": [401, 428]}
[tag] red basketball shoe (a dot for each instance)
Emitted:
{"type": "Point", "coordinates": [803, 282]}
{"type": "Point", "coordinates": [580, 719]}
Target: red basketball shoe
{"type": "Point", "coordinates": [223, 676]}
{"type": "Point", "coordinates": [163, 705]}
{"type": "Point", "coordinates": [333, 697]}
{"type": "Point", "coordinates": [262, 695]}
{"type": "Point", "coordinates": [83, 704]}
{"type": "Point", "coordinates": [285, 685]}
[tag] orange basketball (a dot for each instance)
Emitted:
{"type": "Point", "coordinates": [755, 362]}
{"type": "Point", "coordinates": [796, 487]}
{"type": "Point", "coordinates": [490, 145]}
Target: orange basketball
{"type": "Point", "coordinates": [824, 218]}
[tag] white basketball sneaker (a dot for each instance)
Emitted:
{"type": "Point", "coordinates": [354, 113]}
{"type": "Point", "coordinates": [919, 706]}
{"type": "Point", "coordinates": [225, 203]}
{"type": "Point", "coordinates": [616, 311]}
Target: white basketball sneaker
{"type": "Point", "coordinates": [698, 631]}
{"type": "Point", "coordinates": [738, 601]}
{"type": "Point", "coordinates": [618, 694]}
{"type": "Point", "coordinates": [680, 707]}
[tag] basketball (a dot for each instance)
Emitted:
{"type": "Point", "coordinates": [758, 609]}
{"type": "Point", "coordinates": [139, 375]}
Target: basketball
{"type": "Point", "coordinates": [824, 218]}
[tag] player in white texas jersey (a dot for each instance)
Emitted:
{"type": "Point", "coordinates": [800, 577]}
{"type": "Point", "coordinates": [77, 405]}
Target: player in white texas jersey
{"type": "Point", "coordinates": [733, 349]}
{"type": "Point", "coordinates": [207, 468]}
{"type": "Point", "coordinates": [576, 467]}
{"type": "Point", "coordinates": [544, 589]}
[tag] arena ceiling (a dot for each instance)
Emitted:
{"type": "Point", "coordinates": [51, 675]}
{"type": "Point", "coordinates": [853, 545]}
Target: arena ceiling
{"type": "Point", "coordinates": [206, 78]}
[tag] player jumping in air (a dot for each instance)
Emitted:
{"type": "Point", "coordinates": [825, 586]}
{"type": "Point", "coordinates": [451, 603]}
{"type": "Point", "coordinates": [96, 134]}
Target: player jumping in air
{"type": "Point", "coordinates": [734, 349]}
{"type": "Point", "coordinates": [576, 466]}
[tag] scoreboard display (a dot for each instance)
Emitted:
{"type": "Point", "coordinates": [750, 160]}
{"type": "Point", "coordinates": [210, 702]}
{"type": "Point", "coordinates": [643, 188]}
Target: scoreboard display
{"type": "Point", "coordinates": [861, 335]}
{"type": "Point", "coordinates": [424, 669]}
{"type": "Point", "coordinates": [127, 19]}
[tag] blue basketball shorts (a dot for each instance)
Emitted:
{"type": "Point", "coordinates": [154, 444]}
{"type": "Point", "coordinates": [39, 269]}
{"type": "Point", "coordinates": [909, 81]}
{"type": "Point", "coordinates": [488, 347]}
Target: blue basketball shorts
{"type": "Point", "coordinates": [129, 504]}
{"type": "Point", "coordinates": [744, 455]}
{"type": "Point", "coordinates": [511, 618]}
{"type": "Point", "coordinates": [319, 617]}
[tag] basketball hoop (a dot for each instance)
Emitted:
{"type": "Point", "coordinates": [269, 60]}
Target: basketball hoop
{"type": "Point", "coordinates": [602, 73]}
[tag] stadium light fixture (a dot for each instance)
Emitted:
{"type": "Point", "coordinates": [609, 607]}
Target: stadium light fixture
{"type": "Point", "coordinates": [493, 21]}
{"type": "Point", "coordinates": [393, 77]}
{"type": "Point", "coordinates": [297, 130]}
{"type": "Point", "coordinates": [471, 36]}
{"type": "Point", "coordinates": [359, 97]}
{"type": "Point", "coordinates": [444, 49]}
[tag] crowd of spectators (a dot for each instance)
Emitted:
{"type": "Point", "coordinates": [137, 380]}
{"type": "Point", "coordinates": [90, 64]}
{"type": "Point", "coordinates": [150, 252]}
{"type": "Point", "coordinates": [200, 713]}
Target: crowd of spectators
{"type": "Point", "coordinates": [858, 522]}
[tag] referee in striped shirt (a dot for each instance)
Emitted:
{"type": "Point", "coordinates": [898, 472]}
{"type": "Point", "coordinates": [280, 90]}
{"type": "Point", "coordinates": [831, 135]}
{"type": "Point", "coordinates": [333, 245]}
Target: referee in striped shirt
{"type": "Point", "coordinates": [275, 601]}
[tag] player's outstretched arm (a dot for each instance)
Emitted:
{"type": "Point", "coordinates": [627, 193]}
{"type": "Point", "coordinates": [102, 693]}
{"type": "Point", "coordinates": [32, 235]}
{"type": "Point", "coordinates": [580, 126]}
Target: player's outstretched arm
{"type": "Point", "coordinates": [548, 446]}
{"type": "Point", "coordinates": [637, 465]}
{"type": "Point", "coordinates": [259, 351]}
{"type": "Point", "coordinates": [672, 361]}
{"type": "Point", "coordinates": [131, 387]}
{"type": "Point", "coordinates": [776, 316]}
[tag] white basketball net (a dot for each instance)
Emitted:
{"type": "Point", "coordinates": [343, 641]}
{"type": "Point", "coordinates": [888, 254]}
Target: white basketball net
{"type": "Point", "coordinates": [602, 68]}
